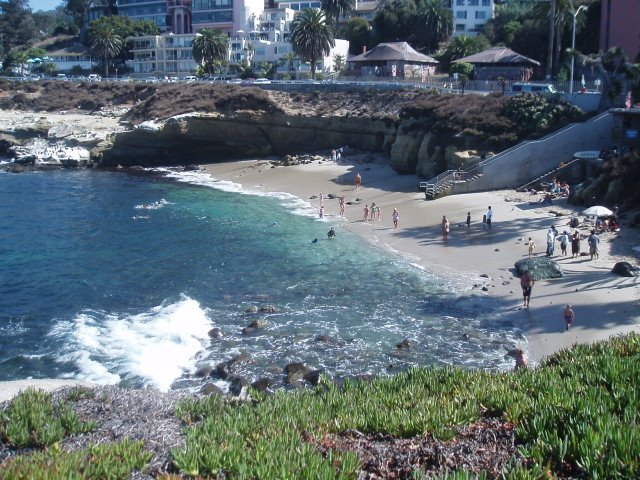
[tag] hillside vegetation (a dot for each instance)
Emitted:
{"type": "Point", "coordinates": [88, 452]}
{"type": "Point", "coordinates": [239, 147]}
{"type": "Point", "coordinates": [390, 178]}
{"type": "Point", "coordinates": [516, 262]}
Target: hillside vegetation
{"type": "Point", "coordinates": [576, 416]}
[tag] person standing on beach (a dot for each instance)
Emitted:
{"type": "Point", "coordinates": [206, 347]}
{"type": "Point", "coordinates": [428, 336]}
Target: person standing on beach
{"type": "Point", "coordinates": [321, 211]}
{"type": "Point", "coordinates": [564, 241]}
{"type": "Point", "coordinates": [358, 180]}
{"type": "Point", "coordinates": [489, 216]}
{"type": "Point", "coordinates": [468, 219]}
{"type": "Point", "coordinates": [569, 316]}
{"type": "Point", "coordinates": [445, 229]}
{"type": "Point", "coordinates": [575, 244]}
{"type": "Point", "coordinates": [372, 213]}
{"type": "Point", "coordinates": [532, 246]}
{"type": "Point", "coordinates": [551, 238]}
{"type": "Point", "coordinates": [526, 282]}
{"type": "Point", "coordinates": [341, 203]}
{"type": "Point", "coordinates": [366, 212]}
{"type": "Point", "coordinates": [395, 216]}
{"type": "Point", "coordinates": [593, 242]}
{"type": "Point", "coordinates": [333, 155]}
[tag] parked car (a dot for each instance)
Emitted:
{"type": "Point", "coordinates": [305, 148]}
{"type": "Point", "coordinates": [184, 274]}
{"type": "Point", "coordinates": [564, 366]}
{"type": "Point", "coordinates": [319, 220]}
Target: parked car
{"type": "Point", "coordinates": [262, 81]}
{"type": "Point", "coordinates": [190, 78]}
{"type": "Point", "coordinates": [94, 77]}
{"type": "Point", "coordinates": [533, 88]}
{"type": "Point", "coordinates": [61, 76]}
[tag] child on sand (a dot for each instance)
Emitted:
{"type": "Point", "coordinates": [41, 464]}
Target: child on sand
{"type": "Point", "coordinates": [395, 216]}
{"type": "Point", "coordinates": [532, 246]}
{"type": "Point", "coordinates": [569, 316]}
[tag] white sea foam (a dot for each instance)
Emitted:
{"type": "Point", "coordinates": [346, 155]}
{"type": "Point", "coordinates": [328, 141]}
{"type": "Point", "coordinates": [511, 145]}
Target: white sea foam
{"type": "Point", "coordinates": [153, 206]}
{"type": "Point", "coordinates": [291, 202]}
{"type": "Point", "coordinates": [158, 345]}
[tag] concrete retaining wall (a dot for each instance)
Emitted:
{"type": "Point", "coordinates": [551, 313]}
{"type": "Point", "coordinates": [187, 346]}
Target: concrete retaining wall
{"type": "Point", "coordinates": [526, 161]}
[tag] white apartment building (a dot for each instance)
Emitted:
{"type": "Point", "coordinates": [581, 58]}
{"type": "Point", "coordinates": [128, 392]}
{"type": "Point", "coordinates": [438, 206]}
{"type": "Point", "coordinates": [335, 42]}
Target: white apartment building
{"type": "Point", "coordinates": [167, 54]}
{"type": "Point", "coordinates": [469, 16]}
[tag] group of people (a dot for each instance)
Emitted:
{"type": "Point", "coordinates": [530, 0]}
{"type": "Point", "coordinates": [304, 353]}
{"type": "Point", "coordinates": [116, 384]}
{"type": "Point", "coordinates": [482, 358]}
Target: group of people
{"type": "Point", "coordinates": [372, 213]}
{"type": "Point", "coordinates": [565, 238]}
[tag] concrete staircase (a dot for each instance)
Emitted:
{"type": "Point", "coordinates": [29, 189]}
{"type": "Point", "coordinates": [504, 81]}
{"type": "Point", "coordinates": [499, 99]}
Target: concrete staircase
{"type": "Point", "coordinates": [546, 175]}
{"type": "Point", "coordinates": [440, 185]}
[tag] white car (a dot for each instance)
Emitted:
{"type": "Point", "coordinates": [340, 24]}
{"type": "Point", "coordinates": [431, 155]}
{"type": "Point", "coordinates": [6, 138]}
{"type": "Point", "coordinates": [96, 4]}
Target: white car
{"type": "Point", "coordinates": [94, 77]}
{"type": "Point", "coordinates": [261, 81]}
{"type": "Point", "coordinates": [190, 78]}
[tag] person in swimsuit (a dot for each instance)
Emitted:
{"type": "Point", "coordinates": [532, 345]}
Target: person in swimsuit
{"type": "Point", "coordinates": [526, 282]}
{"type": "Point", "coordinates": [569, 316]}
{"type": "Point", "coordinates": [445, 229]}
{"type": "Point", "coordinates": [532, 246]}
{"type": "Point", "coordinates": [341, 202]}
{"type": "Point", "coordinates": [395, 216]}
{"type": "Point", "coordinates": [358, 180]}
{"type": "Point", "coordinates": [366, 212]}
{"type": "Point", "coordinates": [331, 233]}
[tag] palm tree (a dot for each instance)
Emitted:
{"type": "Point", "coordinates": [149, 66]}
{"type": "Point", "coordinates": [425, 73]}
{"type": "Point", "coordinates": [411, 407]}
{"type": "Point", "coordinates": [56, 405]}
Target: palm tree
{"type": "Point", "coordinates": [210, 46]}
{"type": "Point", "coordinates": [435, 22]}
{"type": "Point", "coordinates": [312, 36]}
{"type": "Point", "coordinates": [335, 8]}
{"type": "Point", "coordinates": [105, 42]}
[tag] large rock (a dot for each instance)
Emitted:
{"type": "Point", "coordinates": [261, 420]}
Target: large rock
{"type": "Point", "coordinates": [211, 389]}
{"type": "Point", "coordinates": [539, 267]}
{"type": "Point", "coordinates": [625, 269]}
{"type": "Point", "coordinates": [295, 372]}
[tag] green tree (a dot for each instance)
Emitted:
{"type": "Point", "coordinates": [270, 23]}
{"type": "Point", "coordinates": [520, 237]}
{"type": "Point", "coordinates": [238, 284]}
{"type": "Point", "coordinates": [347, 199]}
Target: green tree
{"type": "Point", "coordinates": [17, 27]}
{"type": "Point", "coordinates": [209, 46]}
{"type": "Point", "coordinates": [312, 36]}
{"type": "Point", "coordinates": [434, 24]}
{"type": "Point", "coordinates": [462, 68]}
{"type": "Point", "coordinates": [459, 47]}
{"type": "Point", "coordinates": [339, 63]}
{"type": "Point", "coordinates": [503, 84]}
{"type": "Point", "coordinates": [104, 42]}
{"type": "Point", "coordinates": [358, 32]}
{"type": "Point", "coordinates": [335, 8]}
{"type": "Point", "coordinates": [391, 22]}
{"type": "Point", "coordinates": [78, 10]}
{"type": "Point", "coordinates": [288, 59]}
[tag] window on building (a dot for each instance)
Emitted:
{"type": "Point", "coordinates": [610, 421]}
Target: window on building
{"type": "Point", "coordinates": [461, 14]}
{"type": "Point", "coordinates": [481, 14]}
{"type": "Point", "coordinates": [460, 3]}
{"type": "Point", "coordinates": [474, 3]}
{"type": "Point", "coordinates": [486, 3]}
{"type": "Point", "coordinates": [459, 27]}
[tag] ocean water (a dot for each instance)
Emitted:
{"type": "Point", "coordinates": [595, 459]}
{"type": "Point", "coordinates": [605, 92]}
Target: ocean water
{"type": "Point", "coordinates": [118, 278]}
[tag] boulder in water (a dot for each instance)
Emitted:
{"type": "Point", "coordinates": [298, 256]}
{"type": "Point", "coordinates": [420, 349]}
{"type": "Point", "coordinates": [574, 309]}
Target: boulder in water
{"type": "Point", "coordinates": [211, 389]}
{"type": "Point", "coordinates": [238, 385]}
{"type": "Point", "coordinates": [539, 267]}
{"type": "Point", "coordinates": [625, 269]}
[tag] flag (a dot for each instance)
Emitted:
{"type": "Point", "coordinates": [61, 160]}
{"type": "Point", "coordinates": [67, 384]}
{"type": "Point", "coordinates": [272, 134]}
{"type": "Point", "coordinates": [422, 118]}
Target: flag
{"type": "Point", "coordinates": [629, 100]}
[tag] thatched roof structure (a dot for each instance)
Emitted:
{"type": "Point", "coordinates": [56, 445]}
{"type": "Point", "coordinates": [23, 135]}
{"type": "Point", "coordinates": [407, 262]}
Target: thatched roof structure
{"type": "Point", "coordinates": [499, 56]}
{"type": "Point", "coordinates": [393, 51]}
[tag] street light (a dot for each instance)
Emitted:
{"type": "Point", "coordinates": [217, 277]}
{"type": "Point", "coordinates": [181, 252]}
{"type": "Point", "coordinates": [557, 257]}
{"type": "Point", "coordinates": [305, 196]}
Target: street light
{"type": "Point", "coordinates": [573, 41]}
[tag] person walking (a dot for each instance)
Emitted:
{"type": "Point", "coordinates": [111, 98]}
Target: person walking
{"type": "Point", "coordinates": [358, 180]}
{"type": "Point", "coordinates": [593, 242]}
{"type": "Point", "coordinates": [445, 229]}
{"type": "Point", "coordinates": [341, 203]}
{"type": "Point", "coordinates": [468, 219]}
{"type": "Point", "coordinates": [532, 246]}
{"type": "Point", "coordinates": [489, 217]}
{"type": "Point", "coordinates": [527, 281]}
{"type": "Point", "coordinates": [395, 216]}
{"type": "Point", "coordinates": [321, 211]}
{"type": "Point", "coordinates": [569, 316]}
{"type": "Point", "coordinates": [366, 212]}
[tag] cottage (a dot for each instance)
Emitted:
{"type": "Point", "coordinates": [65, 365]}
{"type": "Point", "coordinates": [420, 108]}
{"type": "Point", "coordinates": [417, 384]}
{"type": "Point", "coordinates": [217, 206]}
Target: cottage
{"type": "Point", "coordinates": [394, 59]}
{"type": "Point", "coordinates": [501, 62]}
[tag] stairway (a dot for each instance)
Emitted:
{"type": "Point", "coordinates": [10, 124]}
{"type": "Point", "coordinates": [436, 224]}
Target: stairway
{"type": "Point", "coordinates": [550, 173]}
{"type": "Point", "coordinates": [438, 185]}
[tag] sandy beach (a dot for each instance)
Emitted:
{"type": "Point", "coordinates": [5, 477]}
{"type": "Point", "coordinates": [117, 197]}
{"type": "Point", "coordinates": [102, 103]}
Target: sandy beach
{"type": "Point", "coordinates": [605, 304]}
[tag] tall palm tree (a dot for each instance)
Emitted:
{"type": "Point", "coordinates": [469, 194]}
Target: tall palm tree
{"type": "Point", "coordinates": [105, 42]}
{"type": "Point", "coordinates": [210, 46]}
{"type": "Point", "coordinates": [335, 8]}
{"type": "Point", "coordinates": [312, 36]}
{"type": "Point", "coordinates": [435, 22]}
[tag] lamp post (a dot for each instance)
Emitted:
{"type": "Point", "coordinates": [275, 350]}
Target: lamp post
{"type": "Point", "coordinates": [573, 42]}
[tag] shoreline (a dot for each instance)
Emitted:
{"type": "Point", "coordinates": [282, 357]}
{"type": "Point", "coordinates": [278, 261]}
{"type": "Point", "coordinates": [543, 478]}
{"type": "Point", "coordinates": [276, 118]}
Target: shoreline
{"type": "Point", "coordinates": [604, 303]}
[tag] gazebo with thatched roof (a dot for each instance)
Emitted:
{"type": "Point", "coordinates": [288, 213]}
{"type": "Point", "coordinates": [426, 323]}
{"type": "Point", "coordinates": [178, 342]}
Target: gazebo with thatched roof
{"type": "Point", "coordinates": [501, 62]}
{"type": "Point", "coordinates": [387, 58]}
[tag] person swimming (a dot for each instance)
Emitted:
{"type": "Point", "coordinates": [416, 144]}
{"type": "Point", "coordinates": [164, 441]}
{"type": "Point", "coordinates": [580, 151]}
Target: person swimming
{"type": "Point", "coordinates": [315, 240]}
{"type": "Point", "coordinates": [331, 233]}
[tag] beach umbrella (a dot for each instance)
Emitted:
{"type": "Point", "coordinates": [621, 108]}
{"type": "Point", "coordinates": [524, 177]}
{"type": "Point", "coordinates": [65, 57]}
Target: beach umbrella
{"type": "Point", "coordinates": [597, 211]}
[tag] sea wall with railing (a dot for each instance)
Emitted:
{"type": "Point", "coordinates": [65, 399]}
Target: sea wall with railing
{"type": "Point", "coordinates": [530, 159]}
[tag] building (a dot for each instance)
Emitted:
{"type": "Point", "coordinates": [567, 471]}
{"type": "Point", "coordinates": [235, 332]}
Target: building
{"type": "Point", "coordinates": [501, 62]}
{"type": "Point", "coordinates": [169, 54]}
{"type": "Point", "coordinates": [619, 27]}
{"type": "Point", "coordinates": [394, 59]}
{"type": "Point", "coordinates": [469, 16]}
{"type": "Point", "coordinates": [227, 15]}
{"type": "Point", "coordinates": [154, 10]}
{"type": "Point", "coordinates": [72, 56]}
